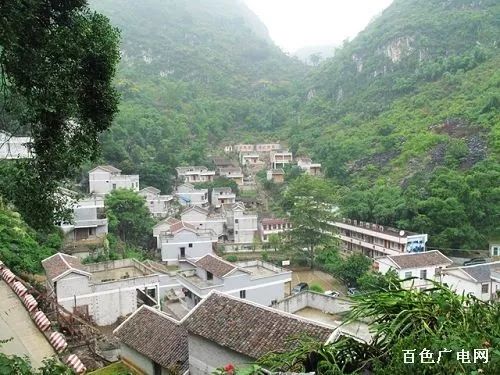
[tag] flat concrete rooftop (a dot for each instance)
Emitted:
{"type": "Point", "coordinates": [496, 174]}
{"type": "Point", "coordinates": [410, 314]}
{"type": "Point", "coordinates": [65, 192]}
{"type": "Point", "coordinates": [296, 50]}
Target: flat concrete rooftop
{"type": "Point", "coordinates": [117, 274]}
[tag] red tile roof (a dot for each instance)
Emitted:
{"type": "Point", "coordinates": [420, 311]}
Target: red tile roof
{"type": "Point", "coordinates": [59, 263]}
{"type": "Point", "coordinates": [215, 265]}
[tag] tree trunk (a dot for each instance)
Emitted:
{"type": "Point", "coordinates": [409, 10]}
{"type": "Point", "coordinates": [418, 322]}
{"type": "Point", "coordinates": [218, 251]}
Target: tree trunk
{"type": "Point", "coordinates": [311, 253]}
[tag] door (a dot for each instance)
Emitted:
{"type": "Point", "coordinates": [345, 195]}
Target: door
{"type": "Point", "coordinates": [183, 252]}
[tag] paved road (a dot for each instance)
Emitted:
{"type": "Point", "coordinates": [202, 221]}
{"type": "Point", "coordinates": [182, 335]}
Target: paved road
{"type": "Point", "coordinates": [16, 323]}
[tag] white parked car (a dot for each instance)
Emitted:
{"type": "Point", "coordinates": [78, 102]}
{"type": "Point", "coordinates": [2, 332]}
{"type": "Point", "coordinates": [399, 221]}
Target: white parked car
{"type": "Point", "coordinates": [332, 293]}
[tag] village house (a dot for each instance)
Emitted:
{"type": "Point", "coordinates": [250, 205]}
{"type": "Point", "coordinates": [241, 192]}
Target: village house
{"type": "Point", "coordinates": [495, 249]}
{"type": "Point", "coordinates": [103, 291]}
{"type": "Point", "coordinates": [153, 343]}
{"type": "Point", "coordinates": [187, 195]}
{"type": "Point", "coordinates": [219, 162]}
{"type": "Point", "coordinates": [423, 266]}
{"type": "Point", "coordinates": [183, 241]}
{"type": "Point", "coordinates": [105, 178]}
{"type": "Point", "coordinates": [249, 159]}
{"type": "Point", "coordinates": [306, 164]}
{"type": "Point", "coordinates": [276, 175]}
{"type": "Point", "coordinates": [281, 158]}
{"type": "Point", "coordinates": [267, 147]}
{"type": "Point", "coordinates": [222, 195]}
{"type": "Point", "coordinates": [89, 218]}
{"type": "Point", "coordinates": [14, 147]}
{"type": "Point", "coordinates": [243, 148]}
{"type": "Point", "coordinates": [228, 149]}
{"type": "Point", "coordinates": [270, 226]}
{"type": "Point", "coordinates": [194, 174]}
{"type": "Point", "coordinates": [233, 173]}
{"type": "Point", "coordinates": [375, 240]}
{"type": "Point", "coordinates": [158, 205]}
{"type": "Point", "coordinates": [203, 219]}
{"type": "Point", "coordinates": [242, 226]}
{"type": "Point", "coordinates": [256, 281]}
{"type": "Point", "coordinates": [225, 329]}
{"type": "Point", "coordinates": [482, 280]}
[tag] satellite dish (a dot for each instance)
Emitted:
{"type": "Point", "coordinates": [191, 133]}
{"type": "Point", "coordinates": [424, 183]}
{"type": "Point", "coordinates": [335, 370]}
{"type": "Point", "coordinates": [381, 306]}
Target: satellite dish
{"type": "Point", "coordinates": [401, 233]}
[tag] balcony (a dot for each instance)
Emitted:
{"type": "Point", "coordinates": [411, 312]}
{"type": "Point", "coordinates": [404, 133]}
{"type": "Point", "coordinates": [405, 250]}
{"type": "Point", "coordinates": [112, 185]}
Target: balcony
{"type": "Point", "coordinates": [369, 246]}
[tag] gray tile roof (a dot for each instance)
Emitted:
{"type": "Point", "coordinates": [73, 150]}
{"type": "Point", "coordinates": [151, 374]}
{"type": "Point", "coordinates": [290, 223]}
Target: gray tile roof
{"type": "Point", "coordinates": [418, 260]}
{"type": "Point", "coordinates": [248, 328]}
{"type": "Point", "coordinates": [215, 265]}
{"type": "Point", "coordinates": [59, 263]}
{"type": "Point", "coordinates": [481, 273]}
{"type": "Point", "coordinates": [156, 336]}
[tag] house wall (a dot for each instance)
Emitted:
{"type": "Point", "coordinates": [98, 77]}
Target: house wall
{"type": "Point", "coordinates": [170, 251]}
{"type": "Point", "coordinates": [461, 285]}
{"type": "Point", "coordinates": [136, 359]}
{"type": "Point", "coordinates": [328, 304]}
{"type": "Point", "coordinates": [205, 356]}
{"type": "Point", "coordinates": [102, 182]}
{"type": "Point", "coordinates": [245, 228]}
{"type": "Point", "coordinates": [384, 267]}
{"type": "Point", "coordinates": [106, 301]}
{"type": "Point", "coordinates": [202, 221]}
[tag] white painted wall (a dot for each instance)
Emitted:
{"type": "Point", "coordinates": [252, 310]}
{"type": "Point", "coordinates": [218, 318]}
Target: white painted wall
{"type": "Point", "coordinates": [170, 247]}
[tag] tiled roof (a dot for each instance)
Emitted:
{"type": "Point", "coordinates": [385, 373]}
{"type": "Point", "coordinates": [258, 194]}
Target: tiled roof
{"type": "Point", "coordinates": [108, 168]}
{"type": "Point", "coordinates": [59, 263]}
{"type": "Point", "coordinates": [180, 225]}
{"type": "Point", "coordinates": [481, 273]}
{"type": "Point", "coordinates": [230, 170]}
{"type": "Point", "coordinates": [278, 171]}
{"type": "Point", "coordinates": [248, 328]}
{"type": "Point", "coordinates": [156, 336]}
{"type": "Point", "coordinates": [151, 189]}
{"type": "Point", "coordinates": [215, 265]}
{"type": "Point", "coordinates": [417, 260]}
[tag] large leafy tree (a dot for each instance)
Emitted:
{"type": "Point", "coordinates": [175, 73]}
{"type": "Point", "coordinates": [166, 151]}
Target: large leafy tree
{"type": "Point", "coordinates": [128, 216]}
{"type": "Point", "coordinates": [310, 203]}
{"type": "Point", "coordinates": [57, 61]}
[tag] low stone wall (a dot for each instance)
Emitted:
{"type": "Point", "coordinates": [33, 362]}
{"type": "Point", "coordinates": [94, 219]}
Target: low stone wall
{"type": "Point", "coordinates": [322, 302]}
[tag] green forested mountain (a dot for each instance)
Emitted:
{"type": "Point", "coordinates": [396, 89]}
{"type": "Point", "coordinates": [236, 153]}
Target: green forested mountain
{"type": "Point", "coordinates": [405, 117]}
{"type": "Point", "coordinates": [193, 72]}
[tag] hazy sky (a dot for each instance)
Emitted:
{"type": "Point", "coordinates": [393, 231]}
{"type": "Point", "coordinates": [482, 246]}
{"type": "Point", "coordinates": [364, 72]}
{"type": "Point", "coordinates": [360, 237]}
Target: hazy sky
{"type": "Point", "coordinates": [294, 24]}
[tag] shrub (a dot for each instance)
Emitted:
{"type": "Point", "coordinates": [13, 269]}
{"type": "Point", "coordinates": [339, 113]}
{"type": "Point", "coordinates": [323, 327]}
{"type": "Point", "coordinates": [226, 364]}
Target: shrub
{"type": "Point", "coordinates": [232, 258]}
{"type": "Point", "coordinates": [316, 288]}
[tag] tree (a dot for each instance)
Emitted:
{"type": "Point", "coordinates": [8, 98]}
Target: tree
{"type": "Point", "coordinates": [15, 365]}
{"type": "Point", "coordinates": [274, 241]}
{"type": "Point", "coordinates": [375, 281]}
{"type": "Point", "coordinates": [57, 62]}
{"type": "Point", "coordinates": [310, 202]}
{"type": "Point", "coordinates": [349, 270]}
{"type": "Point", "coordinates": [128, 216]}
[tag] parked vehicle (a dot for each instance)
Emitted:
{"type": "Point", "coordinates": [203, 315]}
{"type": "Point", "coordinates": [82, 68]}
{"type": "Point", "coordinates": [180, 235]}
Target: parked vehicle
{"type": "Point", "coordinates": [300, 287]}
{"type": "Point", "coordinates": [352, 291]}
{"type": "Point", "coordinates": [474, 261]}
{"type": "Point", "coordinates": [332, 293]}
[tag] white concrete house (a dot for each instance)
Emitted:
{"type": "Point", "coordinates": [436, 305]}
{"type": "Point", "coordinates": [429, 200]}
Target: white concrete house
{"type": "Point", "coordinates": [105, 178]}
{"type": "Point", "coordinates": [233, 173]}
{"type": "Point", "coordinates": [306, 164]}
{"type": "Point", "coordinates": [243, 147]}
{"type": "Point", "coordinates": [202, 219]}
{"type": "Point", "coordinates": [153, 342]}
{"type": "Point", "coordinates": [89, 218]}
{"type": "Point", "coordinates": [281, 158]}
{"type": "Point", "coordinates": [14, 147]}
{"type": "Point", "coordinates": [481, 281]}
{"type": "Point", "coordinates": [222, 195]}
{"type": "Point", "coordinates": [256, 281]}
{"type": "Point", "coordinates": [102, 291]}
{"type": "Point", "coordinates": [195, 174]}
{"type": "Point", "coordinates": [375, 240]}
{"type": "Point", "coordinates": [183, 241]}
{"type": "Point", "coordinates": [270, 226]}
{"type": "Point", "coordinates": [424, 266]}
{"type": "Point", "coordinates": [244, 225]}
{"type": "Point", "coordinates": [225, 329]}
{"type": "Point", "coordinates": [163, 226]}
{"type": "Point", "coordinates": [495, 249]}
{"type": "Point", "coordinates": [187, 195]}
{"type": "Point", "coordinates": [267, 147]}
{"type": "Point", "coordinates": [249, 158]}
{"type": "Point", "coordinates": [158, 205]}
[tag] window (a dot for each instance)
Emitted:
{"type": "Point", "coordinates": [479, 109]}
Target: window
{"type": "Point", "coordinates": [190, 245]}
{"type": "Point", "coordinates": [236, 221]}
{"type": "Point", "coordinates": [210, 276]}
{"type": "Point", "coordinates": [114, 186]}
{"type": "Point", "coordinates": [423, 274]}
{"type": "Point", "coordinates": [408, 274]}
{"type": "Point", "coordinates": [243, 294]}
{"type": "Point", "coordinates": [496, 251]}
{"type": "Point", "coordinates": [485, 288]}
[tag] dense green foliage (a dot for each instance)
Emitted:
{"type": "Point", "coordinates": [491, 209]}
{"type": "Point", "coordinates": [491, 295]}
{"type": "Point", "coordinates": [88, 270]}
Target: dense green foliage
{"type": "Point", "coordinates": [15, 365]}
{"type": "Point", "coordinates": [192, 73]}
{"type": "Point", "coordinates": [128, 217]}
{"type": "Point", "coordinates": [57, 63]}
{"type": "Point", "coordinates": [310, 203]}
{"type": "Point", "coordinates": [433, 320]}
{"type": "Point", "coordinates": [21, 248]}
